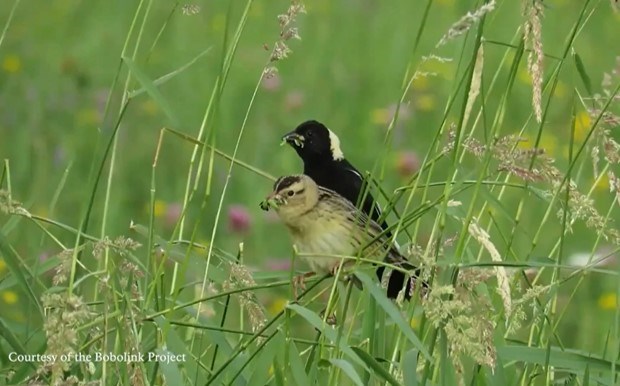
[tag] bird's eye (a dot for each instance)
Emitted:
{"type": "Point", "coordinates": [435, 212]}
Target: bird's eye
{"type": "Point", "coordinates": [308, 134]}
{"type": "Point", "coordinates": [290, 193]}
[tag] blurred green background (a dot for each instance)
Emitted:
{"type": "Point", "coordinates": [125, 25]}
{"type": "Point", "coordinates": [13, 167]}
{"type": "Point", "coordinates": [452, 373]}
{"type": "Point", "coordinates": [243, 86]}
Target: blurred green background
{"type": "Point", "coordinates": [59, 59]}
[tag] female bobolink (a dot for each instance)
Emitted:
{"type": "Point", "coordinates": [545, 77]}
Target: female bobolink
{"type": "Point", "coordinates": [324, 162]}
{"type": "Point", "coordinates": [324, 225]}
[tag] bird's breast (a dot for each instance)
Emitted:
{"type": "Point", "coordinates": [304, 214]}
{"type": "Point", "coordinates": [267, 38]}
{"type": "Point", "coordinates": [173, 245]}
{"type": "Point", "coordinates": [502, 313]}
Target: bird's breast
{"type": "Point", "coordinates": [319, 239]}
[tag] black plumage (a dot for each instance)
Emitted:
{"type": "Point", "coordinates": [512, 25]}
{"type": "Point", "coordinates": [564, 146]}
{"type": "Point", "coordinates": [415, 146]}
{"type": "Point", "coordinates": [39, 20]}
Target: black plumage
{"type": "Point", "coordinates": [324, 162]}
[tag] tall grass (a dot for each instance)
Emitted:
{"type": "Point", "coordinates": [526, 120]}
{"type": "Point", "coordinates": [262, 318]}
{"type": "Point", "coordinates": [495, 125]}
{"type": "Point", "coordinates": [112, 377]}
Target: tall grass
{"type": "Point", "coordinates": [132, 250]}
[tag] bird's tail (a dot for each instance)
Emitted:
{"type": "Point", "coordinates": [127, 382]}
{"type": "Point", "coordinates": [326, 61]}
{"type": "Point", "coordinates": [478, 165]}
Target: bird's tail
{"type": "Point", "coordinates": [397, 281]}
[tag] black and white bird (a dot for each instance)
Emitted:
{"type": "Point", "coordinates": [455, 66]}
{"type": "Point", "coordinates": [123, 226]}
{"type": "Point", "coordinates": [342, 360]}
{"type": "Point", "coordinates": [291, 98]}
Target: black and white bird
{"type": "Point", "coordinates": [324, 162]}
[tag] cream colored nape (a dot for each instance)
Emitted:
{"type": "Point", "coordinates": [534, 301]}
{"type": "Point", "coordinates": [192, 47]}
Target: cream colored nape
{"type": "Point", "coordinates": [334, 141]}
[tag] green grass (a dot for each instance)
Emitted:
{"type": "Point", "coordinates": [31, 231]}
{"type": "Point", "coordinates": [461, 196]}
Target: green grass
{"type": "Point", "coordinates": [132, 122]}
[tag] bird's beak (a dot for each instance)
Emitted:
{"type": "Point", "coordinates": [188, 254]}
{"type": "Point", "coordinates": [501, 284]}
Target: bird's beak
{"type": "Point", "coordinates": [293, 139]}
{"type": "Point", "coordinates": [272, 201]}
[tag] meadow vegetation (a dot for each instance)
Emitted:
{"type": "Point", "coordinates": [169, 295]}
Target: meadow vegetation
{"type": "Point", "coordinates": [138, 137]}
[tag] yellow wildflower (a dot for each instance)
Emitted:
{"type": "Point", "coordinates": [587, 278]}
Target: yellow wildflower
{"type": "Point", "coordinates": [582, 125]}
{"type": "Point", "coordinates": [526, 142]}
{"type": "Point", "coordinates": [421, 83]}
{"type": "Point", "coordinates": [608, 301]}
{"type": "Point", "coordinates": [425, 102]}
{"type": "Point", "coordinates": [9, 297]}
{"type": "Point", "coordinates": [380, 116]}
{"type": "Point", "coordinates": [549, 143]}
{"type": "Point", "coordinates": [11, 64]}
{"type": "Point", "coordinates": [277, 305]}
{"type": "Point", "coordinates": [602, 183]}
{"type": "Point", "coordinates": [159, 208]}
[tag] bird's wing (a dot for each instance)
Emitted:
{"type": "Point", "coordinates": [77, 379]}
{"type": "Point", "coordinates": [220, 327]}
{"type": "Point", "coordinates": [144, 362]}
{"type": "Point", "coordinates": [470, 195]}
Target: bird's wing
{"type": "Point", "coordinates": [374, 230]}
{"type": "Point", "coordinates": [354, 171]}
{"type": "Point", "coordinates": [361, 186]}
{"type": "Point", "coordinates": [370, 205]}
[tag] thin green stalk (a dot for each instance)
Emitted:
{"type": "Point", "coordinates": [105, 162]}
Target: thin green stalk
{"type": "Point", "coordinates": [216, 296]}
{"type": "Point", "coordinates": [244, 345]}
{"type": "Point", "coordinates": [223, 319]}
{"type": "Point", "coordinates": [309, 342]}
{"type": "Point", "coordinates": [335, 375]}
{"type": "Point", "coordinates": [227, 63]}
{"type": "Point", "coordinates": [9, 20]}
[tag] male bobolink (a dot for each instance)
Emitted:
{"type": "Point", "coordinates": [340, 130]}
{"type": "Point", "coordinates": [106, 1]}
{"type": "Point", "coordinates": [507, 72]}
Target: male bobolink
{"type": "Point", "coordinates": [324, 162]}
{"type": "Point", "coordinates": [325, 225]}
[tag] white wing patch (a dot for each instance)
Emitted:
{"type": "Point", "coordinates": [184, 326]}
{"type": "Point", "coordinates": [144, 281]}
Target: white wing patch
{"type": "Point", "coordinates": [379, 208]}
{"type": "Point", "coordinates": [334, 142]}
{"type": "Point", "coordinates": [356, 173]}
{"type": "Point", "coordinates": [362, 179]}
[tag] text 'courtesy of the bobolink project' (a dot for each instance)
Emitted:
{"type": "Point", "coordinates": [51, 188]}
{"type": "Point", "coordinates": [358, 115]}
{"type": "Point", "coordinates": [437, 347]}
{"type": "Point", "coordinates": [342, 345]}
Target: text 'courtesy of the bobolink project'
{"type": "Point", "coordinates": [164, 357]}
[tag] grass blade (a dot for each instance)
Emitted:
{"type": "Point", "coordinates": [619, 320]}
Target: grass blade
{"type": "Point", "coordinates": [163, 79]}
{"type": "Point", "coordinates": [10, 338]}
{"type": "Point", "coordinates": [152, 90]}
{"type": "Point", "coordinates": [380, 371]}
{"type": "Point", "coordinates": [348, 369]}
{"type": "Point", "coordinates": [326, 330]}
{"type": "Point", "coordinates": [169, 368]}
{"type": "Point", "coordinates": [297, 367]}
{"type": "Point", "coordinates": [583, 75]}
{"type": "Point", "coordinates": [18, 267]}
{"type": "Point", "coordinates": [570, 360]}
{"type": "Point", "coordinates": [393, 312]}
{"type": "Point", "coordinates": [410, 361]}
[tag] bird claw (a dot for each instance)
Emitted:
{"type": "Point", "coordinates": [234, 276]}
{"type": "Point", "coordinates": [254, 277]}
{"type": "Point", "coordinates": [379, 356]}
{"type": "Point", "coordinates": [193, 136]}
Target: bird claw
{"type": "Point", "coordinates": [334, 270]}
{"type": "Point", "coordinates": [299, 283]}
{"type": "Point", "coordinates": [354, 279]}
{"type": "Point", "coordinates": [349, 277]}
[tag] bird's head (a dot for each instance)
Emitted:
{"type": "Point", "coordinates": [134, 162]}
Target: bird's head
{"type": "Point", "coordinates": [292, 196]}
{"type": "Point", "coordinates": [313, 141]}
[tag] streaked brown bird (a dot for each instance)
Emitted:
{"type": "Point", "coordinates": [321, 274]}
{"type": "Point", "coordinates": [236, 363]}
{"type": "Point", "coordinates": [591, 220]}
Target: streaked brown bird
{"type": "Point", "coordinates": [328, 230]}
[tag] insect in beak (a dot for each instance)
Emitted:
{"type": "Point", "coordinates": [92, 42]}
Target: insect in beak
{"type": "Point", "coordinates": [293, 139]}
{"type": "Point", "coordinates": [272, 201]}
